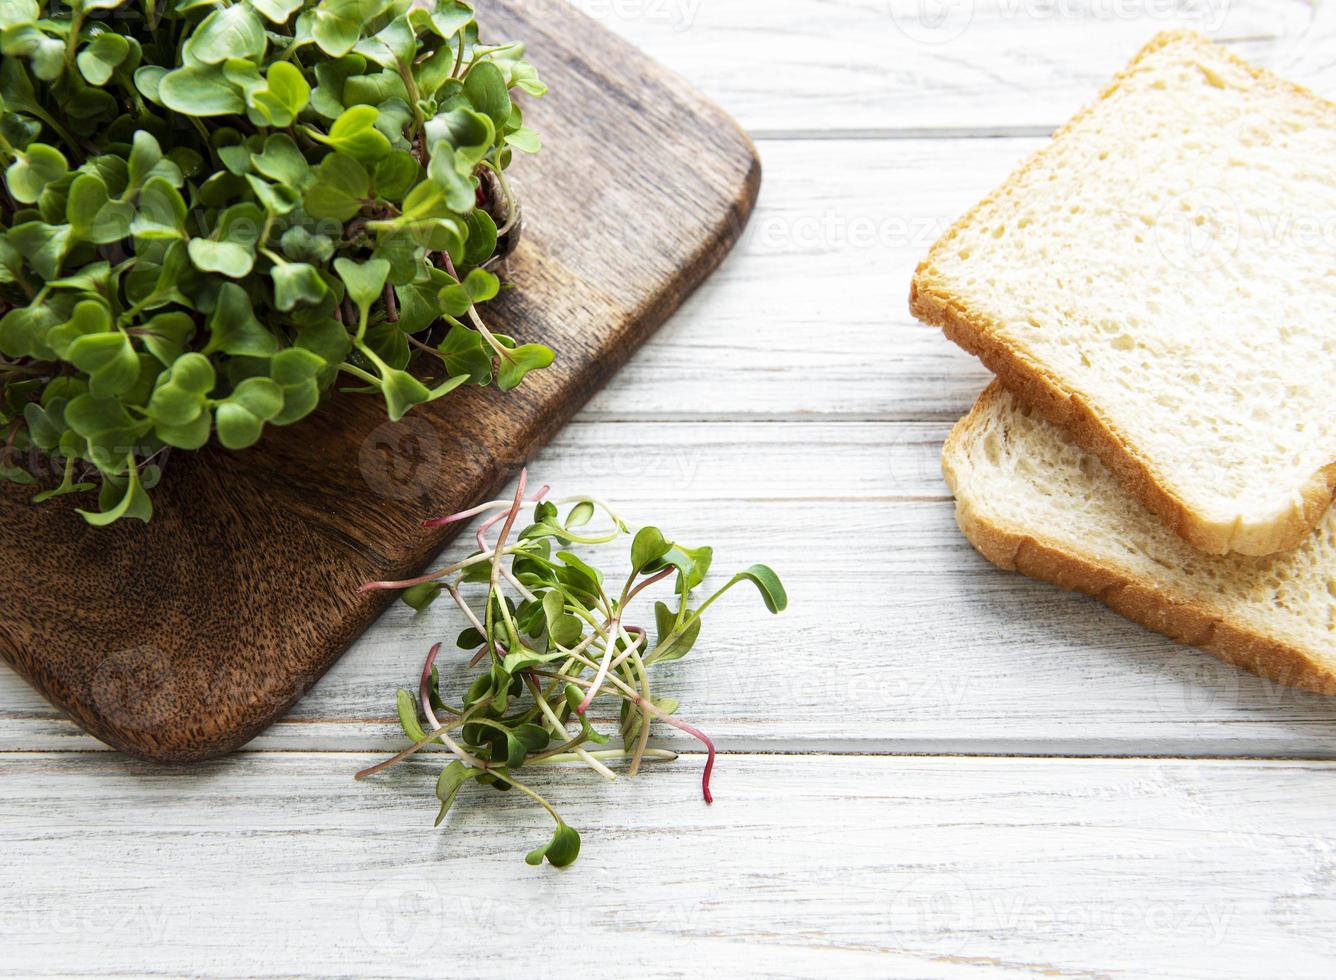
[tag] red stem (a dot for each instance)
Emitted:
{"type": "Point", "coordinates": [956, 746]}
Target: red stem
{"type": "Point", "coordinates": [424, 686]}
{"type": "Point", "coordinates": [709, 748]}
{"type": "Point", "coordinates": [658, 576]}
{"type": "Point", "coordinates": [475, 511]}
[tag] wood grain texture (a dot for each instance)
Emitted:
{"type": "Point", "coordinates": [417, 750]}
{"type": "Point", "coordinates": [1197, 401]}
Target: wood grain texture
{"type": "Point", "coordinates": [277, 863]}
{"type": "Point", "coordinates": [821, 68]}
{"type": "Point", "coordinates": [898, 638]}
{"type": "Point", "coordinates": [182, 639]}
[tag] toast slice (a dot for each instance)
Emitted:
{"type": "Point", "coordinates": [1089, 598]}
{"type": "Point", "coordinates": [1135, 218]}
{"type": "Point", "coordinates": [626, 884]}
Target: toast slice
{"type": "Point", "coordinates": [1030, 500]}
{"type": "Point", "coordinates": [1160, 280]}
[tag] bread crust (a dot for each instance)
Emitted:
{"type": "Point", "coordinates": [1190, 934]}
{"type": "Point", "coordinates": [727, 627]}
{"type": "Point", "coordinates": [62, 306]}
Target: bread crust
{"type": "Point", "coordinates": [932, 301]}
{"type": "Point", "coordinates": [1179, 617]}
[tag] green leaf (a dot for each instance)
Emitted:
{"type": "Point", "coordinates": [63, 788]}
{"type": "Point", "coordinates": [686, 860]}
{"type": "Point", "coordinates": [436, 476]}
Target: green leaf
{"type": "Point", "coordinates": [225, 258]}
{"type": "Point", "coordinates": [108, 358]}
{"type": "Point", "coordinates": [772, 590]}
{"type": "Point", "coordinates": [230, 250]}
{"type": "Point", "coordinates": [481, 285]}
{"type": "Point", "coordinates": [341, 185]}
{"type": "Point", "coordinates": [162, 212]}
{"type": "Point", "coordinates": [276, 199]}
{"type": "Point", "coordinates": [134, 502]}
{"type": "Point", "coordinates": [355, 134]}
{"type": "Point", "coordinates": [67, 485]}
{"type": "Point", "coordinates": [88, 317]}
{"type": "Point", "coordinates": [402, 391]}
{"type": "Point", "coordinates": [395, 174]}
{"type": "Point", "coordinates": [282, 161]}
{"type": "Point", "coordinates": [32, 170]}
{"type": "Point", "coordinates": [296, 282]}
{"type": "Point", "coordinates": [561, 851]}
{"type": "Point", "coordinates": [406, 705]}
{"type": "Point", "coordinates": [693, 563]}
{"type": "Point", "coordinates": [300, 245]}
{"type": "Point", "coordinates": [463, 352]}
{"type": "Point", "coordinates": [485, 87]}
{"type": "Point", "coordinates": [402, 251]}
{"type": "Point", "coordinates": [189, 435]}
{"type": "Point", "coordinates": [457, 187]}
{"type": "Point", "coordinates": [148, 80]}
{"type": "Point", "coordinates": [673, 645]}
{"type": "Point", "coordinates": [99, 59]}
{"type": "Point", "coordinates": [365, 280]}
{"type": "Point", "coordinates": [393, 46]}
{"type": "Point", "coordinates": [464, 130]}
{"type": "Point", "coordinates": [233, 328]}
{"type": "Point", "coordinates": [179, 405]}
{"type": "Point", "coordinates": [200, 90]}
{"type": "Point", "coordinates": [519, 362]}
{"type": "Point", "coordinates": [232, 32]}
{"type": "Point", "coordinates": [297, 372]}
{"type": "Point", "coordinates": [14, 12]}
{"type": "Point", "coordinates": [326, 338]}
{"type": "Point", "coordinates": [648, 546]}
{"type": "Point", "coordinates": [481, 242]}
{"type": "Point", "coordinates": [452, 777]}
{"type": "Point", "coordinates": [92, 215]}
{"type": "Point", "coordinates": [285, 95]}
{"type": "Point", "coordinates": [337, 24]}
{"type": "Point", "coordinates": [43, 245]}
{"type": "Point", "coordinates": [332, 76]}
{"type": "Point", "coordinates": [449, 17]}
{"type": "Point", "coordinates": [420, 596]}
{"type": "Point", "coordinates": [147, 162]}
{"type": "Point", "coordinates": [277, 11]}
{"type": "Point", "coordinates": [108, 428]}
{"type": "Point", "coordinates": [240, 418]}
{"type": "Point", "coordinates": [165, 336]}
{"type": "Point", "coordinates": [525, 140]}
{"type": "Point", "coordinates": [46, 54]}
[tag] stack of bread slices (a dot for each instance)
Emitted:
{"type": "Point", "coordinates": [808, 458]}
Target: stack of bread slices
{"type": "Point", "coordinates": [1155, 290]}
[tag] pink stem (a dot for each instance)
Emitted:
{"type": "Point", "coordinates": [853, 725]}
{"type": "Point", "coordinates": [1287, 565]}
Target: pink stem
{"type": "Point", "coordinates": [477, 657]}
{"type": "Point", "coordinates": [709, 748]}
{"type": "Point", "coordinates": [475, 511]}
{"type": "Point", "coordinates": [402, 583]}
{"type": "Point", "coordinates": [656, 577]}
{"type": "Point", "coordinates": [602, 673]}
{"type": "Point", "coordinates": [424, 686]}
{"type": "Point", "coordinates": [487, 526]}
{"type": "Point", "coordinates": [511, 515]}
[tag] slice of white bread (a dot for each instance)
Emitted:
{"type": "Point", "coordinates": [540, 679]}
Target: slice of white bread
{"type": "Point", "coordinates": [1160, 278]}
{"type": "Point", "coordinates": [1030, 500]}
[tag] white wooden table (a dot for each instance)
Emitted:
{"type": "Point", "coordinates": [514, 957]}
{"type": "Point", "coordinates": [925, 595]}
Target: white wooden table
{"type": "Point", "coordinates": [930, 767]}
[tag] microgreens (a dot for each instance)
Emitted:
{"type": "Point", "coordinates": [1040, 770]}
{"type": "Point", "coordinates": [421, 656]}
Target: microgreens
{"type": "Point", "coordinates": [212, 211]}
{"type": "Point", "coordinates": [556, 640]}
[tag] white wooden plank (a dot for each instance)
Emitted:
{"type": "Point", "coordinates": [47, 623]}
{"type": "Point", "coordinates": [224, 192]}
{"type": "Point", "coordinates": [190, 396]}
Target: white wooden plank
{"type": "Point", "coordinates": [823, 67]}
{"type": "Point", "coordinates": [279, 864]}
{"type": "Point", "coordinates": [898, 638]}
{"type": "Point", "coordinates": [809, 315]}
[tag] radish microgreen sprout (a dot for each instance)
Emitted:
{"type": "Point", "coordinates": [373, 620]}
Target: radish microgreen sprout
{"type": "Point", "coordinates": [553, 639]}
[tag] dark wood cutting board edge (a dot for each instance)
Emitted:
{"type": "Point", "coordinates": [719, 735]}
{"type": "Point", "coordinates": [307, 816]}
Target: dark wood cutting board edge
{"type": "Point", "coordinates": [183, 639]}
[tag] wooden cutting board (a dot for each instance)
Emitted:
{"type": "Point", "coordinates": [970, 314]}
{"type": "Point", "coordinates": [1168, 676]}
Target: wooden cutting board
{"type": "Point", "coordinates": [182, 639]}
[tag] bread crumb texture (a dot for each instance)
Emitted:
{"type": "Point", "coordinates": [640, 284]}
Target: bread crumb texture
{"type": "Point", "coordinates": [1030, 499]}
{"type": "Point", "coordinates": [1162, 277]}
